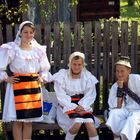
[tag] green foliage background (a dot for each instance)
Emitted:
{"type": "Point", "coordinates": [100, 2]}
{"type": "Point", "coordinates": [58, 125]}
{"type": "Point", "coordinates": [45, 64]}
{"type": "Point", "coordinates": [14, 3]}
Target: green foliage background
{"type": "Point", "coordinates": [11, 13]}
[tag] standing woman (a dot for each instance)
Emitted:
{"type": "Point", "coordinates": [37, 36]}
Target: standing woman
{"type": "Point", "coordinates": [76, 92]}
{"type": "Point", "coordinates": [29, 65]}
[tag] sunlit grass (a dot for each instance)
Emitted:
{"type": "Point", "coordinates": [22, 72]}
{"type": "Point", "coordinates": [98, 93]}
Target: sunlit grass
{"type": "Point", "coordinates": [129, 11]}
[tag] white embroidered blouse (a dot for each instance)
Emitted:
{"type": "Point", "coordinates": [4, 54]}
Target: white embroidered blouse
{"type": "Point", "coordinates": [65, 87]}
{"type": "Point", "coordinates": [23, 61]}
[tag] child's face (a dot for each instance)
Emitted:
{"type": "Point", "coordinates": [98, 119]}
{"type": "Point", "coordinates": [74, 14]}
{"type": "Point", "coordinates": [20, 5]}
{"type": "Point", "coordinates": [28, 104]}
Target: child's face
{"type": "Point", "coordinates": [77, 65]}
{"type": "Point", "coordinates": [122, 72]}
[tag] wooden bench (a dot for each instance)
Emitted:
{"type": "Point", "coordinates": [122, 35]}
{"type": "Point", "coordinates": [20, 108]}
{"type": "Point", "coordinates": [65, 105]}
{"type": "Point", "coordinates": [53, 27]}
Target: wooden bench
{"type": "Point", "coordinates": [53, 131]}
{"type": "Point", "coordinates": [42, 130]}
{"type": "Point", "coordinates": [47, 131]}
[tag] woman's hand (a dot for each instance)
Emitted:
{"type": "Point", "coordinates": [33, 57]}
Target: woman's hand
{"type": "Point", "coordinates": [12, 79]}
{"type": "Point", "coordinates": [40, 80]}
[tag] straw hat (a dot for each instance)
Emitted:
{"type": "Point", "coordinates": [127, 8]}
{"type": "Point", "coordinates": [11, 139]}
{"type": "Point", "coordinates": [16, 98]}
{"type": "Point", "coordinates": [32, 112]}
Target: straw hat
{"type": "Point", "coordinates": [125, 61]}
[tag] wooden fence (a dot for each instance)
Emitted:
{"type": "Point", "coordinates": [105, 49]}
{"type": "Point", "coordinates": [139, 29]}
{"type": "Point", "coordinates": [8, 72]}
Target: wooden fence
{"type": "Point", "coordinates": [101, 42]}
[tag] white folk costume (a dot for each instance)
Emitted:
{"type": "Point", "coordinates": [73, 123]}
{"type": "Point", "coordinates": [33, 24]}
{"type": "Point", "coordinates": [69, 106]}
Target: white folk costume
{"type": "Point", "coordinates": [126, 120]}
{"type": "Point", "coordinates": [21, 62]}
{"type": "Point", "coordinates": [66, 87]}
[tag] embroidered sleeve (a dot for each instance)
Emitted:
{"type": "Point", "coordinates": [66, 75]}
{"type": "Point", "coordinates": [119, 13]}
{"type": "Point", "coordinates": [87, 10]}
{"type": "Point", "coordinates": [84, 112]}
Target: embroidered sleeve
{"type": "Point", "coordinates": [44, 64]}
{"type": "Point", "coordinates": [63, 99]}
{"type": "Point", "coordinates": [7, 55]}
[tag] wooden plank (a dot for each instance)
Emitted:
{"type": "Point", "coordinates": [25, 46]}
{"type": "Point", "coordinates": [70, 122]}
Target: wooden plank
{"type": "Point", "coordinates": [39, 126]}
{"type": "Point", "coordinates": [134, 46]}
{"type": "Point", "coordinates": [88, 45]}
{"type": "Point", "coordinates": [97, 60]}
{"type": "Point", "coordinates": [1, 36]}
{"type": "Point", "coordinates": [47, 38]}
{"type": "Point", "coordinates": [115, 40]}
{"type": "Point", "coordinates": [9, 33]}
{"type": "Point", "coordinates": [97, 49]}
{"type": "Point", "coordinates": [57, 48]}
{"type": "Point", "coordinates": [124, 38]}
{"type": "Point", "coordinates": [16, 27]}
{"type": "Point", "coordinates": [38, 35]}
{"type": "Point", "coordinates": [67, 44]}
{"type": "Point", "coordinates": [36, 126]}
{"type": "Point", "coordinates": [77, 36]}
{"type": "Point", "coordinates": [106, 70]}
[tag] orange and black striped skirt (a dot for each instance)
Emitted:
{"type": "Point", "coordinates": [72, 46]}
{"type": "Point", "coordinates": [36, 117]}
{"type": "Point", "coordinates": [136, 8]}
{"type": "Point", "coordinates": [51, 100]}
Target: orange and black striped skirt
{"type": "Point", "coordinates": [27, 95]}
{"type": "Point", "coordinates": [73, 114]}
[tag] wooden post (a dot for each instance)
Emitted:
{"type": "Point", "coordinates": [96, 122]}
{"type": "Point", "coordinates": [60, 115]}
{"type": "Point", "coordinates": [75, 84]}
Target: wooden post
{"type": "Point", "coordinates": [1, 36]}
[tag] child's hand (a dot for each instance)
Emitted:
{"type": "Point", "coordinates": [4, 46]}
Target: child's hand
{"type": "Point", "coordinates": [120, 83]}
{"type": "Point", "coordinates": [79, 108]}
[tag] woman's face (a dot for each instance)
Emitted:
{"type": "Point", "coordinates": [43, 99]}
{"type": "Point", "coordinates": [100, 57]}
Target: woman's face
{"type": "Point", "coordinates": [27, 34]}
{"type": "Point", "coordinates": [122, 72]}
{"type": "Point", "coordinates": [76, 66]}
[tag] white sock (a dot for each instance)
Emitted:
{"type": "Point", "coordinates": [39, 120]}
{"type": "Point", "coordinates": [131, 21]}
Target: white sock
{"type": "Point", "coordinates": [70, 136]}
{"type": "Point", "coordinates": [123, 137]}
{"type": "Point", "coordinates": [94, 138]}
{"type": "Point", "coordinates": [118, 138]}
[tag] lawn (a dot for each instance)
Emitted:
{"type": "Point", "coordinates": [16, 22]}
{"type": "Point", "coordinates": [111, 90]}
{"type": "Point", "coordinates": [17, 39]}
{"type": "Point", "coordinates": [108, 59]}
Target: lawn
{"type": "Point", "coordinates": [129, 11]}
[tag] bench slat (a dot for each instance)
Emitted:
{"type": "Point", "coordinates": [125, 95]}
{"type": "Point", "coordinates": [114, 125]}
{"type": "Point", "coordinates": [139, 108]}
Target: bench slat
{"type": "Point", "coordinates": [36, 126]}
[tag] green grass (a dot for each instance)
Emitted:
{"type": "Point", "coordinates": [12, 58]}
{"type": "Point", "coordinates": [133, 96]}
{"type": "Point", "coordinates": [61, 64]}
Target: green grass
{"type": "Point", "coordinates": [129, 11]}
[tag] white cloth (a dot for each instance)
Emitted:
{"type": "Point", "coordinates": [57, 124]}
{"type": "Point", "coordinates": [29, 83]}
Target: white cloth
{"type": "Point", "coordinates": [94, 138]}
{"type": "Point", "coordinates": [65, 87]}
{"type": "Point", "coordinates": [125, 120]}
{"type": "Point", "coordinates": [117, 138]}
{"type": "Point", "coordinates": [70, 136]}
{"type": "Point", "coordinates": [21, 61]}
{"type": "Point", "coordinates": [123, 137]}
